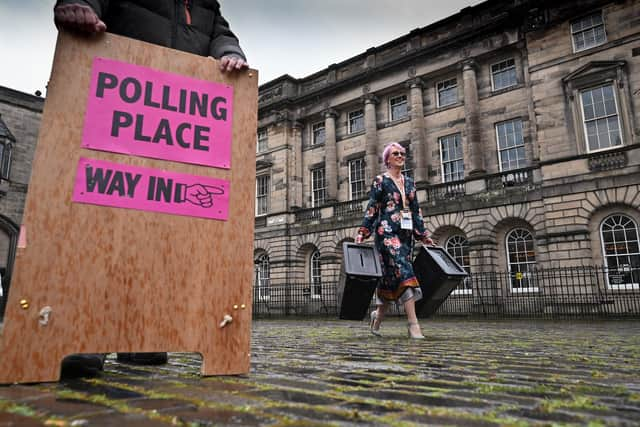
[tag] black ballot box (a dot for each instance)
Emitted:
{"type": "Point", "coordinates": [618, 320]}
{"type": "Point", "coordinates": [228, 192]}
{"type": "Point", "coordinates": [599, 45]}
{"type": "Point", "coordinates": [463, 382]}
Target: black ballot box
{"type": "Point", "coordinates": [438, 274]}
{"type": "Point", "coordinates": [359, 277]}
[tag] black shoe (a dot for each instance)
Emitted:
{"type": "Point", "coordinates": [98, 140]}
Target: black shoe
{"type": "Point", "coordinates": [82, 365]}
{"type": "Point", "coordinates": [143, 358]}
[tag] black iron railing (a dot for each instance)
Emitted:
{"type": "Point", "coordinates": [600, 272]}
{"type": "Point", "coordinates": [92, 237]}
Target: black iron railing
{"type": "Point", "coordinates": [307, 214]}
{"type": "Point", "coordinates": [569, 292]}
{"type": "Point", "coordinates": [352, 208]}
{"type": "Point", "coordinates": [512, 178]}
{"type": "Point", "coordinates": [445, 192]}
{"type": "Point", "coordinates": [261, 221]}
{"type": "Point", "coordinates": [295, 299]}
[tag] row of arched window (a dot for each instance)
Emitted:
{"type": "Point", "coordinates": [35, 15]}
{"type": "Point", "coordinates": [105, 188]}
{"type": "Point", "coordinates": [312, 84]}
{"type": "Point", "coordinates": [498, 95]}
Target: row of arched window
{"type": "Point", "coordinates": [618, 236]}
{"type": "Point", "coordinates": [263, 275]}
{"type": "Point", "coordinates": [520, 251]}
{"type": "Point", "coordinates": [620, 248]}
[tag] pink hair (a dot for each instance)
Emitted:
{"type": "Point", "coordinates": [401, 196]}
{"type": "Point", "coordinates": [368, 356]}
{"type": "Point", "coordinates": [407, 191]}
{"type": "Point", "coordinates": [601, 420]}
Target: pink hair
{"type": "Point", "coordinates": [387, 152]}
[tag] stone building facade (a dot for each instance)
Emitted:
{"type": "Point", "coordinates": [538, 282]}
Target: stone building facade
{"type": "Point", "coordinates": [521, 120]}
{"type": "Point", "coordinates": [20, 116]}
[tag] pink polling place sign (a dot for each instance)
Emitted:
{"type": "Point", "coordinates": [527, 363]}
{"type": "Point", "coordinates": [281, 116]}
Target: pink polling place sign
{"type": "Point", "coordinates": [99, 182]}
{"type": "Point", "coordinates": [144, 112]}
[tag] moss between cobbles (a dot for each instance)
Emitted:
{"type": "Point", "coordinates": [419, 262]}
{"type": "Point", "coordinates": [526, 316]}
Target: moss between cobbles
{"type": "Point", "coordinates": [598, 374]}
{"type": "Point", "coordinates": [18, 409]}
{"type": "Point", "coordinates": [492, 417]}
{"type": "Point", "coordinates": [277, 409]}
{"type": "Point", "coordinates": [597, 389]}
{"type": "Point", "coordinates": [158, 395]}
{"type": "Point", "coordinates": [402, 407]}
{"type": "Point", "coordinates": [580, 387]}
{"type": "Point", "coordinates": [537, 390]}
{"type": "Point", "coordinates": [253, 409]}
{"type": "Point", "coordinates": [346, 398]}
{"type": "Point", "coordinates": [576, 402]}
{"type": "Point", "coordinates": [634, 397]}
{"type": "Point", "coordinates": [252, 383]}
{"type": "Point", "coordinates": [295, 422]}
{"type": "Point", "coordinates": [430, 391]}
{"type": "Point", "coordinates": [29, 412]}
{"type": "Point", "coordinates": [178, 384]}
{"type": "Point", "coordinates": [118, 405]}
{"type": "Point", "coordinates": [495, 417]}
{"type": "Point", "coordinates": [331, 414]}
{"type": "Point", "coordinates": [181, 358]}
{"type": "Point", "coordinates": [123, 408]}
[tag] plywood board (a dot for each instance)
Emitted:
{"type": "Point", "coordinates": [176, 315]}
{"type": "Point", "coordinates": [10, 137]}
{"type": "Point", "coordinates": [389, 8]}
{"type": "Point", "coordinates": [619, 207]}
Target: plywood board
{"type": "Point", "coordinates": [123, 280]}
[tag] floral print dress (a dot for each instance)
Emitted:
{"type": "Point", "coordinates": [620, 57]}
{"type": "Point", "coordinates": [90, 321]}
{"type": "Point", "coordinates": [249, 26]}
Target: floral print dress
{"type": "Point", "coordinates": [395, 245]}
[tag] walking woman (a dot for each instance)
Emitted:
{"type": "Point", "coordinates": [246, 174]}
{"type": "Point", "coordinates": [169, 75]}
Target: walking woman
{"type": "Point", "coordinates": [394, 216]}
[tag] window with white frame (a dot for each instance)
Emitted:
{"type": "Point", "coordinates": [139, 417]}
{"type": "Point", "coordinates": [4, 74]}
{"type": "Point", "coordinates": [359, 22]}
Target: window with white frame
{"type": "Point", "coordinates": [588, 32]}
{"type": "Point", "coordinates": [503, 74]}
{"type": "Point", "coordinates": [262, 144]}
{"type": "Point", "coordinates": [356, 121]}
{"type": "Point", "coordinates": [620, 246]}
{"type": "Point", "coordinates": [458, 247]}
{"type": "Point", "coordinates": [600, 117]}
{"type": "Point", "coordinates": [451, 158]}
{"type": "Point", "coordinates": [356, 179]}
{"type": "Point", "coordinates": [521, 258]}
{"type": "Point", "coordinates": [262, 194]}
{"type": "Point", "coordinates": [317, 133]}
{"type": "Point", "coordinates": [511, 150]}
{"type": "Point", "coordinates": [318, 187]}
{"type": "Point", "coordinates": [315, 273]}
{"type": "Point", "coordinates": [398, 107]}
{"type": "Point", "coordinates": [447, 92]}
{"type": "Point", "coordinates": [263, 278]}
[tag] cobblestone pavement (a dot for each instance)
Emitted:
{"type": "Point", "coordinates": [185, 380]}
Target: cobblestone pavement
{"type": "Point", "coordinates": [316, 372]}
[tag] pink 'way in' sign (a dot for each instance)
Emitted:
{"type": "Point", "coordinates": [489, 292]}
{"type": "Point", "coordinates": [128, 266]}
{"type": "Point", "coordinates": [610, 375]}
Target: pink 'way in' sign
{"type": "Point", "coordinates": [104, 183]}
{"type": "Point", "coordinates": [145, 112]}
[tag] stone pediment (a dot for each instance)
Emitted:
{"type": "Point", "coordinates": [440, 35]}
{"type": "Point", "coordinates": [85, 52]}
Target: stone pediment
{"type": "Point", "coordinates": [263, 164]}
{"type": "Point", "coordinates": [594, 72]}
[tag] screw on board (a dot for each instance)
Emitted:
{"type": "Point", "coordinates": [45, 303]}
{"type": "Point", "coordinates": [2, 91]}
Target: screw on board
{"type": "Point", "coordinates": [226, 320]}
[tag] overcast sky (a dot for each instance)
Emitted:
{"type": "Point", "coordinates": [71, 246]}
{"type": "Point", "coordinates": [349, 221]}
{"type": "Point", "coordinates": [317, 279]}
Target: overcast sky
{"type": "Point", "coordinates": [295, 37]}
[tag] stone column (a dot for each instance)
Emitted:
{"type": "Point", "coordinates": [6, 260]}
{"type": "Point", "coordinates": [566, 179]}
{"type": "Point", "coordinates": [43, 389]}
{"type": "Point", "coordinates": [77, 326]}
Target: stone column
{"type": "Point", "coordinates": [473, 148]}
{"type": "Point", "coordinates": [533, 149]}
{"type": "Point", "coordinates": [330, 155]}
{"type": "Point", "coordinates": [294, 165]}
{"type": "Point", "coordinates": [419, 147]}
{"type": "Point", "coordinates": [371, 138]}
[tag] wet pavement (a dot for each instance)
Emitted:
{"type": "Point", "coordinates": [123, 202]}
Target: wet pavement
{"type": "Point", "coordinates": [324, 372]}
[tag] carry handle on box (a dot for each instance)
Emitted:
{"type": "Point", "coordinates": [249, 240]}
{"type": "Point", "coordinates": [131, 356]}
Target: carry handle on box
{"type": "Point", "coordinates": [359, 277]}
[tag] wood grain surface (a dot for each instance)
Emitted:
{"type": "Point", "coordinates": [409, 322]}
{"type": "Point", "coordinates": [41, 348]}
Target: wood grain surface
{"type": "Point", "coordinates": [122, 280]}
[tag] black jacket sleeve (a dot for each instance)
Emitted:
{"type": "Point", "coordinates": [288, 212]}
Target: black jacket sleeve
{"type": "Point", "coordinates": [223, 41]}
{"type": "Point", "coordinates": [98, 6]}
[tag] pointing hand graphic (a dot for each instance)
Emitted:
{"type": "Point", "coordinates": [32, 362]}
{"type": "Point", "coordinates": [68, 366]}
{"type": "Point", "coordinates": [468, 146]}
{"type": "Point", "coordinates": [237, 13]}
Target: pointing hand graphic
{"type": "Point", "coordinates": [202, 195]}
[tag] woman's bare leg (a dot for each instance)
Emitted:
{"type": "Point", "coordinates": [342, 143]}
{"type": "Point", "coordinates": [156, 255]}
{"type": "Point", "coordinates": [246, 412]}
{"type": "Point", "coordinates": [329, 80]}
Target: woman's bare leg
{"type": "Point", "coordinates": [412, 319]}
{"type": "Point", "coordinates": [380, 312]}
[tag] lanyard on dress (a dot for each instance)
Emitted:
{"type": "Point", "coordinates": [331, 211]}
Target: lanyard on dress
{"type": "Point", "coordinates": [401, 188]}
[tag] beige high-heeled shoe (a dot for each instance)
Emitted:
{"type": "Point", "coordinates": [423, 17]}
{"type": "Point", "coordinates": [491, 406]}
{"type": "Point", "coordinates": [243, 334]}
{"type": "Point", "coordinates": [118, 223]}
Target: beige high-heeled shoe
{"type": "Point", "coordinates": [374, 330]}
{"type": "Point", "coordinates": [419, 336]}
